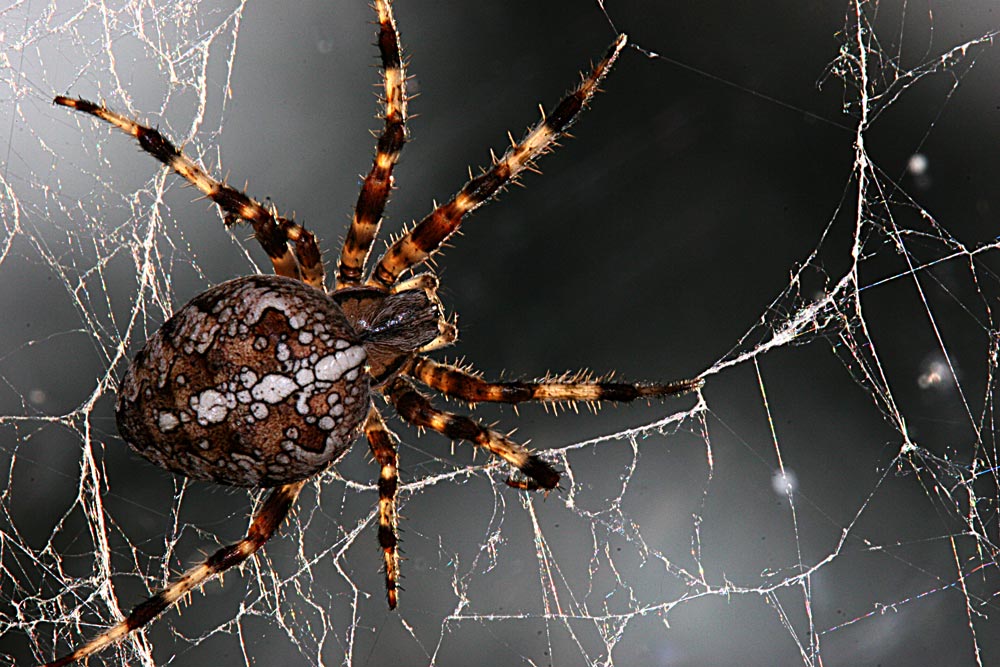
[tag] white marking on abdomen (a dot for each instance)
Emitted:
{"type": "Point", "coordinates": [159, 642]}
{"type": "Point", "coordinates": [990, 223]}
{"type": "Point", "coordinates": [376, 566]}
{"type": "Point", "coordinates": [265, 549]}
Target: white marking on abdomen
{"type": "Point", "coordinates": [333, 366]}
{"type": "Point", "coordinates": [273, 388]}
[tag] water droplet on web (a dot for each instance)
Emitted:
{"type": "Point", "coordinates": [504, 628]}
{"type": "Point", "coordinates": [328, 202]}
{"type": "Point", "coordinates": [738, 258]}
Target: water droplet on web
{"type": "Point", "coordinates": [917, 164]}
{"type": "Point", "coordinates": [935, 374]}
{"type": "Point", "coordinates": [785, 482]}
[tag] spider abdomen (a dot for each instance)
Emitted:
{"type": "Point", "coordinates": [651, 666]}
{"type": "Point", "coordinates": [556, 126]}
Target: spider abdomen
{"type": "Point", "coordinates": [259, 381]}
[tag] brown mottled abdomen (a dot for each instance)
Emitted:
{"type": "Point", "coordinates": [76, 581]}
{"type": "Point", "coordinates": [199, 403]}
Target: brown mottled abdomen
{"type": "Point", "coordinates": [259, 381]}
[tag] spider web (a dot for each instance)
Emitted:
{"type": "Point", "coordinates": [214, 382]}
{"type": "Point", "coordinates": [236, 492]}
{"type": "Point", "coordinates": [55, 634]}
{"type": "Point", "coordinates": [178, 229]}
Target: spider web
{"type": "Point", "coordinates": [825, 255]}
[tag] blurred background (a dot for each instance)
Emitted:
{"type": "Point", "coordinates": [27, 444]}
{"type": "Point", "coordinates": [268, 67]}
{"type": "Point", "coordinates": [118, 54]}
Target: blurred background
{"type": "Point", "coordinates": [830, 498]}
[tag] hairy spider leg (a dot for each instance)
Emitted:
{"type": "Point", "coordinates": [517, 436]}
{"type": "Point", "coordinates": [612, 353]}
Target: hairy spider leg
{"type": "Point", "coordinates": [292, 249]}
{"type": "Point", "coordinates": [267, 520]}
{"type": "Point", "coordinates": [378, 184]}
{"type": "Point", "coordinates": [417, 409]}
{"type": "Point", "coordinates": [426, 238]}
{"type": "Point", "coordinates": [383, 445]}
{"type": "Point", "coordinates": [463, 384]}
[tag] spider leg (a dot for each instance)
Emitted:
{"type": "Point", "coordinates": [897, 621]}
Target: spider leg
{"type": "Point", "coordinates": [469, 387]}
{"type": "Point", "coordinates": [292, 249]}
{"type": "Point", "coordinates": [378, 184]}
{"type": "Point", "coordinates": [429, 234]}
{"type": "Point", "coordinates": [267, 520]}
{"type": "Point", "coordinates": [383, 445]}
{"type": "Point", "coordinates": [417, 409]}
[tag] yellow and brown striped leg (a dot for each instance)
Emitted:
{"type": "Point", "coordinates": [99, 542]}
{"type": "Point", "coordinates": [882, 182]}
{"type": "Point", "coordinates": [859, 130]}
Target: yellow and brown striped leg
{"type": "Point", "coordinates": [427, 236]}
{"type": "Point", "coordinates": [378, 184]}
{"type": "Point", "coordinates": [417, 409]}
{"type": "Point", "coordinates": [271, 515]}
{"type": "Point", "coordinates": [383, 446]}
{"type": "Point", "coordinates": [469, 387]}
{"type": "Point", "coordinates": [292, 249]}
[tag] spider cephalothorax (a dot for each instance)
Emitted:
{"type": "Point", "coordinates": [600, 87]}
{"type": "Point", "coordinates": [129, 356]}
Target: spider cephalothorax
{"type": "Point", "coordinates": [265, 381]}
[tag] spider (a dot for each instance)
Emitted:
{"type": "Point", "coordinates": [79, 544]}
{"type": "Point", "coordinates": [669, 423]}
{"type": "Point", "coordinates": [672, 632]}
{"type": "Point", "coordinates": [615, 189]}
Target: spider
{"type": "Point", "coordinates": [265, 381]}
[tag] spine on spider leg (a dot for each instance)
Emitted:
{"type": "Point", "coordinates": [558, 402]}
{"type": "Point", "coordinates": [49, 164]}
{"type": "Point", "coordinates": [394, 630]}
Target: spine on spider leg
{"type": "Point", "coordinates": [265, 522]}
{"type": "Point", "coordinates": [430, 233]}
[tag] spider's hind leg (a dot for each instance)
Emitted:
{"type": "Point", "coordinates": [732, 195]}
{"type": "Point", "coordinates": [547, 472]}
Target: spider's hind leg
{"type": "Point", "coordinates": [292, 249]}
{"type": "Point", "coordinates": [378, 184]}
{"type": "Point", "coordinates": [417, 409]}
{"type": "Point", "coordinates": [383, 445]}
{"type": "Point", "coordinates": [462, 384]}
{"type": "Point", "coordinates": [265, 522]}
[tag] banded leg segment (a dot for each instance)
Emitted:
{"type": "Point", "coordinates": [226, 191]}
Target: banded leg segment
{"type": "Point", "coordinates": [271, 515]}
{"type": "Point", "coordinates": [378, 184]}
{"type": "Point", "coordinates": [383, 446]}
{"type": "Point", "coordinates": [417, 409]}
{"type": "Point", "coordinates": [430, 233]}
{"type": "Point", "coordinates": [292, 249]}
{"type": "Point", "coordinates": [469, 387]}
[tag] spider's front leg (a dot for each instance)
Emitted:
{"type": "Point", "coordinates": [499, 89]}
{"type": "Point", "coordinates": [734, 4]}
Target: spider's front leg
{"type": "Point", "coordinates": [430, 233]}
{"type": "Point", "coordinates": [292, 249]}
{"type": "Point", "coordinates": [378, 184]}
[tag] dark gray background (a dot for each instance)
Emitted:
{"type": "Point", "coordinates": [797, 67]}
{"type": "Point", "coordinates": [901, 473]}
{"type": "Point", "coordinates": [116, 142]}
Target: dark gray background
{"type": "Point", "coordinates": [657, 237]}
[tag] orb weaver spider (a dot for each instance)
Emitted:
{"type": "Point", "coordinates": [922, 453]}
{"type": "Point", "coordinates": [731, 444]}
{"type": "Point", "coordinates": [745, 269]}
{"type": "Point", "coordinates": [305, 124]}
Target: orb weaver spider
{"type": "Point", "coordinates": [265, 381]}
